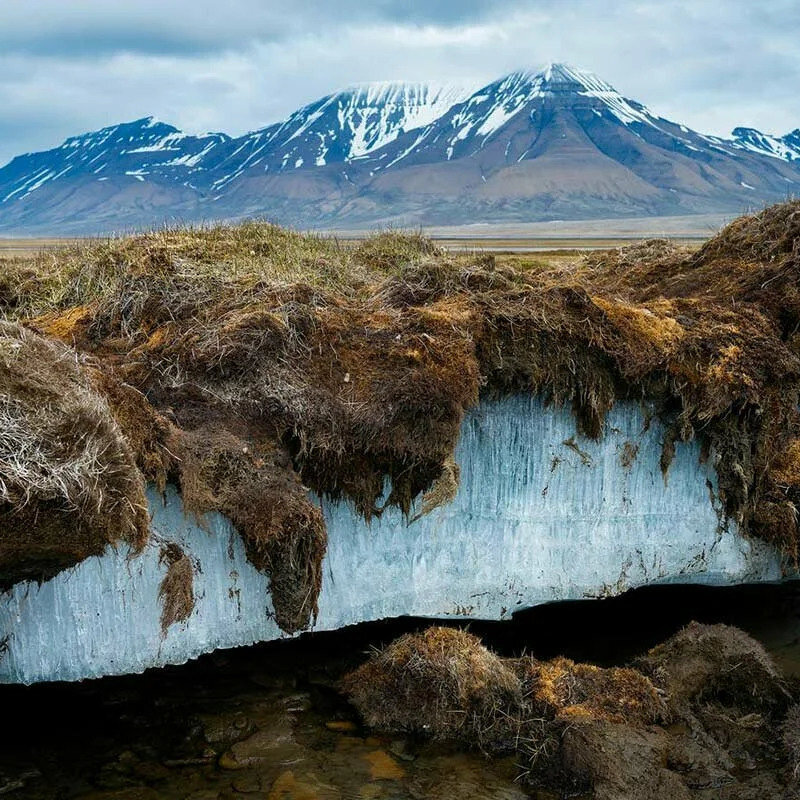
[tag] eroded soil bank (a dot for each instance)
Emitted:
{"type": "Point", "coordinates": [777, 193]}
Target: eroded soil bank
{"type": "Point", "coordinates": [268, 721]}
{"type": "Point", "coordinates": [250, 364]}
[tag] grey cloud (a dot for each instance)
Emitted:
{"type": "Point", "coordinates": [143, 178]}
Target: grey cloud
{"type": "Point", "coordinates": [53, 28]}
{"type": "Point", "coordinates": [67, 66]}
{"type": "Point", "coordinates": [449, 12]}
{"type": "Point", "coordinates": [91, 29]}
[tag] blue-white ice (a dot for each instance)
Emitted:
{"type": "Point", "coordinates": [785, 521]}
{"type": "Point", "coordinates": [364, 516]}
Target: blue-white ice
{"type": "Point", "coordinates": [534, 521]}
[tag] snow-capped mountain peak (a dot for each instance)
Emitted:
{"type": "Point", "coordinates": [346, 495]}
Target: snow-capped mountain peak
{"type": "Point", "coordinates": [377, 113]}
{"type": "Point", "coordinates": [786, 147]}
{"type": "Point", "coordinates": [341, 127]}
{"type": "Point", "coordinates": [469, 125]}
{"type": "Point", "coordinates": [564, 79]}
{"type": "Point", "coordinates": [365, 117]}
{"type": "Point", "coordinates": [130, 151]}
{"type": "Point", "coordinates": [138, 132]}
{"type": "Point", "coordinates": [556, 76]}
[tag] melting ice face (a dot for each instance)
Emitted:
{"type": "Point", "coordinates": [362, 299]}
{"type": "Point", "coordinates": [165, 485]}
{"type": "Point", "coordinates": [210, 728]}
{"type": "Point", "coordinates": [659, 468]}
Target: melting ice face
{"type": "Point", "coordinates": [541, 515]}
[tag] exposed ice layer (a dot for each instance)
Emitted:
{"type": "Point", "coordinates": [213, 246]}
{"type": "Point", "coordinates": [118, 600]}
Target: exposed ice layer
{"type": "Point", "coordinates": [542, 514]}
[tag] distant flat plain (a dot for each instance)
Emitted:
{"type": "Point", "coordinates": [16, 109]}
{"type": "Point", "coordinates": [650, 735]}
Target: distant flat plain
{"type": "Point", "coordinates": [520, 237]}
{"type": "Point", "coordinates": [28, 247]}
{"type": "Point", "coordinates": [596, 234]}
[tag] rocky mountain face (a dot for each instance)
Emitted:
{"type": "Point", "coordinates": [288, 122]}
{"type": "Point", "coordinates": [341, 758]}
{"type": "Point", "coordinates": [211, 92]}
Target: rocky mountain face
{"type": "Point", "coordinates": [133, 173]}
{"type": "Point", "coordinates": [785, 147]}
{"type": "Point", "coordinates": [340, 128]}
{"type": "Point", "coordinates": [559, 143]}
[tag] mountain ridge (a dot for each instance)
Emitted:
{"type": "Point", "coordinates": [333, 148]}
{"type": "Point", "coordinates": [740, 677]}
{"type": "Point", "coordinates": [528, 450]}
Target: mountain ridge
{"type": "Point", "coordinates": [558, 142]}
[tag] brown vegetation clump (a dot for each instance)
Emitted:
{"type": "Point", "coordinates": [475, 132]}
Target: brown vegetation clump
{"type": "Point", "coordinates": [176, 591]}
{"type": "Point", "coordinates": [563, 690]}
{"type": "Point", "coordinates": [347, 369]}
{"type": "Point", "coordinates": [253, 484]}
{"type": "Point", "coordinates": [579, 729]}
{"type": "Point", "coordinates": [69, 485]}
{"type": "Point", "coordinates": [707, 661]}
{"type": "Point", "coordinates": [771, 236]}
{"type": "Point", "coordinates": [441, 683]}
{"type": "Point", "coordinates": [145, 430]}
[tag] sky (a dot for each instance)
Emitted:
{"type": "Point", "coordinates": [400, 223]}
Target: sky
{"type": "Point", "coordinates": [70, 66]}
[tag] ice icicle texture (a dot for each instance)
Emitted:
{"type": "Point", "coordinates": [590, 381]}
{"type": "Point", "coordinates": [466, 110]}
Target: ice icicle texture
{"type": "Point", "coordinates": [541, 514]}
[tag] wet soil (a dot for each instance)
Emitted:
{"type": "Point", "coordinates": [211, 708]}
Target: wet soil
{"type": "Point", "coordinates": [267, 721]}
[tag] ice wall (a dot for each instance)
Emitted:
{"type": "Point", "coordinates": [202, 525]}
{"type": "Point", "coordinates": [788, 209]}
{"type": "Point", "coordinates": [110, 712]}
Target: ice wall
{"type": "Point", "coordinates": [542, 514]}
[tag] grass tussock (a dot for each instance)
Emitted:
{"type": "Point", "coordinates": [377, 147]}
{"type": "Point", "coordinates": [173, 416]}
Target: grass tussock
{"type": "Point", "coordinates": [391, 251]}
{"type": "Point", "coordinates": [441, 683]}
{"type": "Point", "coordinates": [579, 729]}
{"type": "Point", "coordinates": [69, 485]}
{"type": "Point", "coordinates": [710, 660]}
{"type": "Point", "coordinates": [347, 369]}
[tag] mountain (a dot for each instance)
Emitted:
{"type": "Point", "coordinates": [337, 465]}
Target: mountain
{"type": "Point", "coordinates": [338, 128]}
{"type": "Point", "coordinates": [563, 144]}
{"type": "Point", "coordinates": [128, 174]}
{"type": "Point", "coordinates": [558, 143]}
{"type": "Point", "coordinates": [785, 147]}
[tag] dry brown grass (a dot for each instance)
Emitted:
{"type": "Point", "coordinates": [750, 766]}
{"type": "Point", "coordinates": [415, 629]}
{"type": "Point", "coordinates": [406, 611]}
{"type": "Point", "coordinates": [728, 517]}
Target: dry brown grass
{"type": "Point", "coordinates": [563, 690]}
{"type": "Point", "coordinates": [69, 485]}
{"type": "Point", "coordinates": [176, 591]}
{"type": "Point", "coordinates": [714, 701]}
{"type": "Point", "coordinates": [441, 683]}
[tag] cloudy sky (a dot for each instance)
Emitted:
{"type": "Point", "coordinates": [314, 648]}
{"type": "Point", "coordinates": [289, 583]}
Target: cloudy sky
{"type": "Point", "coordinates": [68, 66]}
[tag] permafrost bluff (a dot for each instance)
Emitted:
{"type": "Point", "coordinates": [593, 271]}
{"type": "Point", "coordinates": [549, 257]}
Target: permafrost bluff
{"type": "Point", "coordinates": [336, 434]}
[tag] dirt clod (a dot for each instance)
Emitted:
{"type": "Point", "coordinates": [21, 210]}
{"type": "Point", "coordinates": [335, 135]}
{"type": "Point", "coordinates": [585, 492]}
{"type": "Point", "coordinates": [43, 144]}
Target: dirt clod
{"type": "Point", "coordinates": [711, 706]}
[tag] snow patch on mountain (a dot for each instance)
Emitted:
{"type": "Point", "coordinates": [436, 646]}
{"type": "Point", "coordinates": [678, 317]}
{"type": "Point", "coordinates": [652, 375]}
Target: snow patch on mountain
{"type": "Point", "coordinates": [363, 118]}
{"type": "Point", "coordinates": [142, 147]}
{"type": "Point", "coordinates": [786, 147]}
{"type": "Point", "coordinates": [378, 113]}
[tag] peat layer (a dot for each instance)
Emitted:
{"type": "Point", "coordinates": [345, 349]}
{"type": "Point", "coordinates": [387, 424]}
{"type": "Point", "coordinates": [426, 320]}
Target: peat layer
{"type": "Point", "coordinates": [251, 364]}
